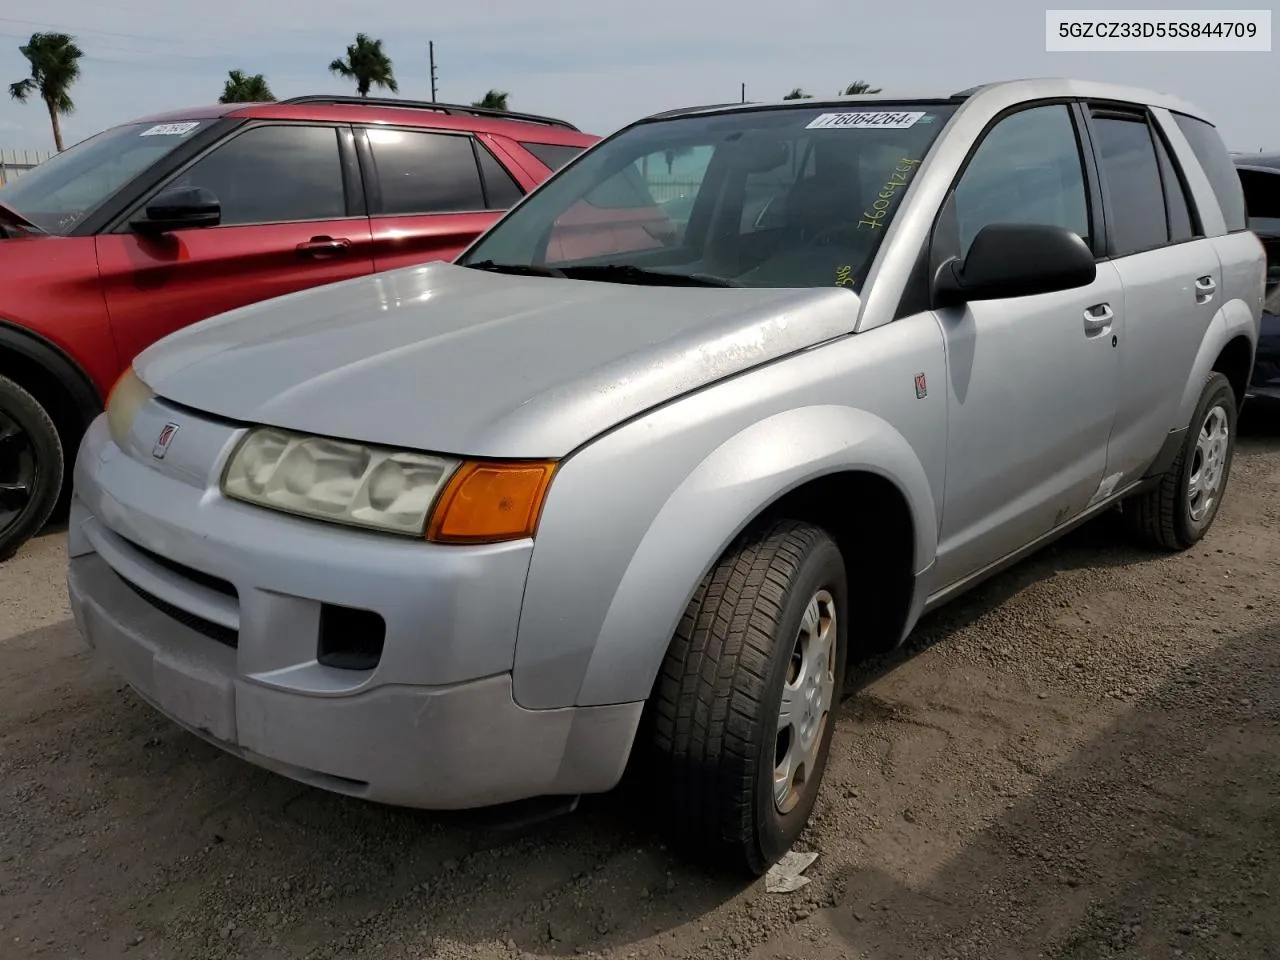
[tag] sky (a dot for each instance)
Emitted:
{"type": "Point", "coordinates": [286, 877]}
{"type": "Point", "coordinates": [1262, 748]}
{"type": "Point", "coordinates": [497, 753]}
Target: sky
{"type": "Point", "coordinates": [597, 65]}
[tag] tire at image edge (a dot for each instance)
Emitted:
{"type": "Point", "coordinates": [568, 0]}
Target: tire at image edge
{"type": "Point", "coordinates": [1161, 516]}
{"type": "Point", "coordinates": [39, 427]}
{"type": "Point", "coordinates": [718, 695]}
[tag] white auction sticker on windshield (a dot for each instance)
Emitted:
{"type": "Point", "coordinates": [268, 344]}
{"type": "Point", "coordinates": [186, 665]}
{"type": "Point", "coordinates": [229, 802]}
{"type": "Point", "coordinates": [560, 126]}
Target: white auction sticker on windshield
{"type": "Point", "coordinates": [170, 129]}
{"type": "Point", "coordinates": [881, 119]}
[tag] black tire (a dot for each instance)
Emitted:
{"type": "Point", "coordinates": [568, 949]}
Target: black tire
{"type": "Point", "coordinates": [31, 467]}
{"type": "Point", "coordinates": [717, 700]}
{"type": "Point", "coordinates": [1166, 516]}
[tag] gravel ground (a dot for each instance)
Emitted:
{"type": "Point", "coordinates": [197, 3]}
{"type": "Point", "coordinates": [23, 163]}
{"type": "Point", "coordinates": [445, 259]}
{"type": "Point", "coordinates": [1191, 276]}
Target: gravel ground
{"type": "Point", "coordinates": [1079, 760]}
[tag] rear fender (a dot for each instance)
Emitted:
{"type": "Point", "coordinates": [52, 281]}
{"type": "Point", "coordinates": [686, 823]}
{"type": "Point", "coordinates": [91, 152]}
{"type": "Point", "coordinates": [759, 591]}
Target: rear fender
{"type": "Point", "coordinates": [1234, 319]}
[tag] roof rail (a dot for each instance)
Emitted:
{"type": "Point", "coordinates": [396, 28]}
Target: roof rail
{"type": "Point", "coordinates": [451, 109]}
{"type": "Point", "coordinates": [684, 111]}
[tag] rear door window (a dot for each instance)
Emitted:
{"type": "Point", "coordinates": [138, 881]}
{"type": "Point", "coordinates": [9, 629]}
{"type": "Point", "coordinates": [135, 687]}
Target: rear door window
{"type": "Point", "coordinates": [425, 172]}
{"type": "Point", "coordinates": [1131, 174]}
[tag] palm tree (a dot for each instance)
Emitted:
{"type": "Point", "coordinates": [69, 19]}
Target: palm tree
{"type": "Point", "coordinates": [55, 66]}
{"type": "Point", "coordinates": [859, 86]}
{"type": "Point", "coordinates": [798, 94]}
{"type": "Point", "coordinates": [674, 154]}
{"type": "Point", "coordinates": [493, 100]}
{"type": "Point", "coordinates": [367, 64]}
{"type": "Point", "coordinates": [240, 88]}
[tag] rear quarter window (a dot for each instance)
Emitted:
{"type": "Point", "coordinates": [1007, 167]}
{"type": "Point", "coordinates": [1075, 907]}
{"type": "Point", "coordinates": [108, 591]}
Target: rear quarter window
{"type": "Point", "coordinates": [1212, 153]}
{"type": "Point", "coordinates": [552, 155]}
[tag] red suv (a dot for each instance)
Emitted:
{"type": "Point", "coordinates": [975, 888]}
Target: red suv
{"type": "Point", "coordinates": [153, 225]}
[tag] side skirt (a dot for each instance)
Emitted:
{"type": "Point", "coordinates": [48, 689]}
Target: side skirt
{"type": "Point", "coordinates": [948, 593]}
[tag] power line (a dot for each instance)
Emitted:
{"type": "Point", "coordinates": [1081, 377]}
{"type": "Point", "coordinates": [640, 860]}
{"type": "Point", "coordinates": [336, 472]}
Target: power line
{"type": "Point", "coordinates": [155, 61]}
{"type": "Point", "coordinates": [149, 58]}
{"type": "Point", "coordinates": [46, 26]}
{"type": "Point", "coordinates": [92, 54]}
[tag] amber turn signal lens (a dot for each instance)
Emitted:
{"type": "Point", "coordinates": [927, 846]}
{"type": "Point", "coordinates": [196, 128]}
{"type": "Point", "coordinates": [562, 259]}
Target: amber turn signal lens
{"type": "Point", "coordinates": [491, 502]}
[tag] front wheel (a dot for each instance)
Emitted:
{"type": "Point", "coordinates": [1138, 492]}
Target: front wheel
{"type": "Point", "coordinates": [31, 467]}
{"type": "Point", "coordinates": [1177, 512]}
{"type": "Point", "coordinates": [745, 704]}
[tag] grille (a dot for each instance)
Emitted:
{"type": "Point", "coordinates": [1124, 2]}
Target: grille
{"type": "Point", "coordinates": [214, 631]}
{"type": "Point", "coordinates": [216, 584]}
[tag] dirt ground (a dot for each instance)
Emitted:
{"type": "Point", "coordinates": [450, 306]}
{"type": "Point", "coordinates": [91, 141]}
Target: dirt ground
{"type": "Point", "coordinates": [1080, 760]}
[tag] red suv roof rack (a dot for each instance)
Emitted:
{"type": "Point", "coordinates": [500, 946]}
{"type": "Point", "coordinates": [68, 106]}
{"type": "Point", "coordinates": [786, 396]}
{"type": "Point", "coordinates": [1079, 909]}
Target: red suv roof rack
{"type": "Point", "coordinates": [451, 109]}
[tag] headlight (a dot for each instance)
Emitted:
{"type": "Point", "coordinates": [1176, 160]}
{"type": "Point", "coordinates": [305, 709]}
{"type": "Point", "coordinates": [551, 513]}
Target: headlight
{"type": "Point", "coordinates": [417, 494]}
{"type": "Point", "coordinates": [123, 403]}
{"type": "Point", "coordinates": [335, 480]}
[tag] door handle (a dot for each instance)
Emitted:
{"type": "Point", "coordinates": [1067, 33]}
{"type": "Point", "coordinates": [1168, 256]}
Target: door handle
{"type": "Point", "coordinates": [1098, 319]}
{"type": "Point", "coordinates": [1205, 287]}
{"type": "Point", "coordinates": [319, 248]}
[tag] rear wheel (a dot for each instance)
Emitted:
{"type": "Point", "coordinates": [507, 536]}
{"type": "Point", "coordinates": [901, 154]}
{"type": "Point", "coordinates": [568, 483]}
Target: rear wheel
{"type": "Point", "coordinates": [31, 467]}
{"type": "Point", "coordinates": [744, 707]}
{"type": "Point", "coordinates": [1180, 509]}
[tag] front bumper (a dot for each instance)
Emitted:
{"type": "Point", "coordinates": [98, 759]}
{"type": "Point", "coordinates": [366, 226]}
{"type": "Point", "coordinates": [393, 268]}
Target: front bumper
{"type": "Point", "coordinates": [212, 612]}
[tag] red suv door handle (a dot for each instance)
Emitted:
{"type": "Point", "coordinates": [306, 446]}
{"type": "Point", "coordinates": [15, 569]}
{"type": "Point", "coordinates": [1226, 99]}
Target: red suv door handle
{"type": "Point", "coordinates": [321, 247]}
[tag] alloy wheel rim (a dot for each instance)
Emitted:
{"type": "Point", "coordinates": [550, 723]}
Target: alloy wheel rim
{"type": "Point", "coordinates": [17, 471]}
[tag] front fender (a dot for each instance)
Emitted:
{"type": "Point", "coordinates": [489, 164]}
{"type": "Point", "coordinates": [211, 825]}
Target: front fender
{"type": "Point", "coordinates": [713, 505]}
{"type": "Point", "coordinates": [643, 549]}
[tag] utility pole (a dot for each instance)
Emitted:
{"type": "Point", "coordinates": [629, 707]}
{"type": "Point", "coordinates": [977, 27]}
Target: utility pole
{"type": "Point", "coordinates": [431, 55]}
{"type": "Point", "coordinates": [744, 93]}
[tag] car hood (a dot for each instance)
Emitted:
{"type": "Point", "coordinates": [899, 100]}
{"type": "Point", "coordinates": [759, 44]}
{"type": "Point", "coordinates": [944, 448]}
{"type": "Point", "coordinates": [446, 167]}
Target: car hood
{"type": "Point", "coordinates": [11, 217]}
{"type": "Point", "coordinates": [456, 360]}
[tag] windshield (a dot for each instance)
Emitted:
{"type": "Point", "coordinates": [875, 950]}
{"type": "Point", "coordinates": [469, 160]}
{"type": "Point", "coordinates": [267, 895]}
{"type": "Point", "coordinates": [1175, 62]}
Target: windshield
{"type": "Point", "coordinates": [792, 197]}
{"type": "Point", "coordinates": [60, 191]}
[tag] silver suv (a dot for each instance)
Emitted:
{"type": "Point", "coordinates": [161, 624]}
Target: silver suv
{"type": "Point", "coordinates": [624, 486]}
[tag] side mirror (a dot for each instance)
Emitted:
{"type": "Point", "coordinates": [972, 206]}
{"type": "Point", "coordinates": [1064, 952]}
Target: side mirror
{"type": "Point", "coordinates": [1016, 260]}
{"type": "Point", "coordinates": [179, 208]}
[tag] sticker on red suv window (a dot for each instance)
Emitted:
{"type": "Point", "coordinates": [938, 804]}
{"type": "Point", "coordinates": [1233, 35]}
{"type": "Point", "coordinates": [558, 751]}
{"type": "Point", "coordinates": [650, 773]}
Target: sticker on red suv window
{"type": "Point", "coordinates": [170, 129]}
{"type": "Point", "coordinates": [882, 119]}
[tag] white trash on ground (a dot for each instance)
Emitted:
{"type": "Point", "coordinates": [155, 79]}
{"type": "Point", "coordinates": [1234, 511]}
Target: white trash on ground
{"type": "Point", "coordinates": [785, 875]}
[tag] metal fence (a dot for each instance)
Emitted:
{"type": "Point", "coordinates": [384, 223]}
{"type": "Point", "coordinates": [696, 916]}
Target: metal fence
{"type": "Point", "coordinates": [664, 187]}
{"type": "Point", "coordinates": [14, 163]}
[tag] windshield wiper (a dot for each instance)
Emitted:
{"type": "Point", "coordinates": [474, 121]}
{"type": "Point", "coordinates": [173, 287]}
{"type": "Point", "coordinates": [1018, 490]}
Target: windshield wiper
{"type": "Point", "coordinates": [520, 269]}
{"type": "Point", "coordinates": [629, 273]}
